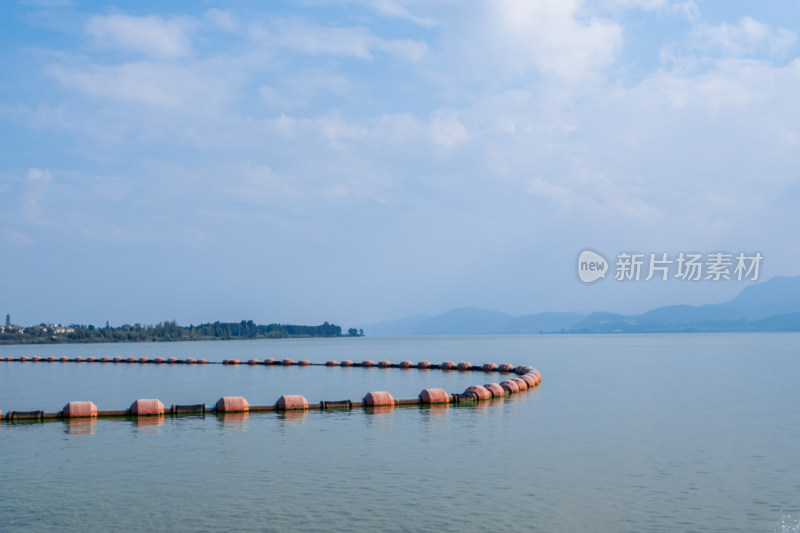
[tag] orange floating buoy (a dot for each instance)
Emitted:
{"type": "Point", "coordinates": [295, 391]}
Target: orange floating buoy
{"type": "Point", "coordinates": [174, 361]}
{"type": "Point", "coordinates": [332, 363]}
{"type": "Point", "coordinates": [292, 401]}
{"type": "Point", "coordinates": [303, 362]}
{"type": "Point", "coordinates": [23, 359]}
{"type": "Point", "coordinates": [489, 367]}
{"type": "Point", "coordinates": [346, 362]}
{"type": "Point", "coordinates": [130, 360]}
{"type": "Point", "coordinates": [510, 386]}
{"type": "Point", "coordinates": [368, 363]}
{"type": "Point", "coordinates": [252, 362]}
{"type": "Point", "coordinates": [434, 396]}
{"type": "Point", "coordinates": [229, 362]}
{"type": "Point", "coordinates": [464, 365]}
{"type": "Point", "coordinates": [523, 385]}
{"type": "Point", "coordinates": [53, 359]}
{"type": "Point", "coordinates": [269, 361]}
{"type": "Point", "coordinates": [202, 361]}
{"type": "Point", "coordinates": [228, 404]}
{"type": "Point", "coordinates": [190, 361]}
{"type": "Point", "coordinates": [385, 364]}
{"type": "Point", "coordinates": [66, 359]}
{"type": "Point", "coordinates": [522, 369]}
{"type": "Point", "coordinates": [144, 360]}
{"type": "Point", "coordinates": [158, 360]}
{"type": "Point", "coordinates": [505, 367]}
{"type": "Point", "coordinates": [104, 360]}
{"type": "Point", "coordinates": [448, 365]}
{"type": "Point", "coordinates": [424, 364]}
{"type": "Point", "coordinates": [78, 359]}
{"type": "Point", "coordinates": [530, 379]}
{"type": "Point", "coordinates": [147, 407]}
{"type": "Point", "coordinates": [36, 359]}
{"type": "Point", "coordinates": [481, 393]}
{"type": "Point", "coordinates": [79, 409]}
{"type": "Point", "coordinates": [287, 362]}
{"type": "Point", "coordinates": [496, 390]}
{"type": "Point", "coordinates": [91, 359]}
{"type": "Point", "coordinates": [378, 398]}
{"type": "Point", "coordinates": [405, 364]}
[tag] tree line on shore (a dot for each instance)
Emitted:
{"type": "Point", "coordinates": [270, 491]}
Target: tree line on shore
{"type": "Point", "coordinates": [165, 331]}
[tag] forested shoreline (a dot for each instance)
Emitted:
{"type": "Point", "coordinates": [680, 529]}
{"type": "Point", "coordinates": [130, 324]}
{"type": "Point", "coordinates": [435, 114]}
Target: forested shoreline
{"type": "Point", "coordinates": [167, 331]}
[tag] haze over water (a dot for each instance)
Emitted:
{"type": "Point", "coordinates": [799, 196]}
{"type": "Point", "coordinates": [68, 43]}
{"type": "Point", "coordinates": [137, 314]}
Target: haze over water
{"type": "Point", "coordinates": [626, 433]}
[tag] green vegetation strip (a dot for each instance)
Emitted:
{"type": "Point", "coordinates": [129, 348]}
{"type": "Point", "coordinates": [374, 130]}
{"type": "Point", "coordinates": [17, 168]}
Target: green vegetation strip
{"type": "Point", "coordinates": [168, 331]}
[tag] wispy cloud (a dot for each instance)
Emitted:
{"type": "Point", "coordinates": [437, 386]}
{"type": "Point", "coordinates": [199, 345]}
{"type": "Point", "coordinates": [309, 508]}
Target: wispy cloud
{"type": "Point", "coordinates": [152, 36]}
{"type": "Point", "coordinates": [17, 237]}
{"type": "Point", "coordinates": [358, 42]}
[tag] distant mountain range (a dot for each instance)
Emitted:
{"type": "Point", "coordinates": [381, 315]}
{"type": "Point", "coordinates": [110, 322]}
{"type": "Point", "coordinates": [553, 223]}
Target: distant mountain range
{"type": "Point", "coordinates": [770, 306]}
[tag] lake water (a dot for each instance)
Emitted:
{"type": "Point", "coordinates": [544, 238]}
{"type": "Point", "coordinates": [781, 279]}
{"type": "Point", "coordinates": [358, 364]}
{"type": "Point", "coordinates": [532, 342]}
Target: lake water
{"type": "Point", "coordinates": [626, 433]}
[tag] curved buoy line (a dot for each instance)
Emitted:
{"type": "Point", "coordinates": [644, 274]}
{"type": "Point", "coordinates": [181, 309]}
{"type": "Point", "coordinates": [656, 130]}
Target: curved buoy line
{"type": "Point", "coordinates": [522, 378]}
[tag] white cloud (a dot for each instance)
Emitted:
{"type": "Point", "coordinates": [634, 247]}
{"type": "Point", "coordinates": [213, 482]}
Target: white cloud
{"type": "Point", "coordinates": [39, 188]}
{"type": "Point", "coordinates": [38, 175]}
{"type": "Point", "coordinates": [395, 9]}
{"type": "Point", "coordinates": [748, 38]}
{"type": "Point", "coordinates": [152, 36]}
{"type": "Point", "coordinates": [275, 98]}
{"type": "Point", "coordinates": [258, 184]}
{"type": "Point", "coordinates": [564, 197]}
{"type": "Point", "coordinates": [406, 49]}
{"type": "Point", "coordinates": [299, 89]}
{"type": "Point", "coordinates": [446, 130]}
{"type": "Point", "coordinates": [314, 39]}
{"type": "Point", "coordinates": [17, 237]}
{"type": "Point", "coordinates": [557, 40]}
{"type": "Point", "coordinates": [221, 19]}
{"type": "Point", "coordinates": [190, 85]}
{"type": "Point", "coordinates": [510, 39]}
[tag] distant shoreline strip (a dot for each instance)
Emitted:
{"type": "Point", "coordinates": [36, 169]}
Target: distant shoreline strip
{"type": "Point", "coordinates": [152, 411]}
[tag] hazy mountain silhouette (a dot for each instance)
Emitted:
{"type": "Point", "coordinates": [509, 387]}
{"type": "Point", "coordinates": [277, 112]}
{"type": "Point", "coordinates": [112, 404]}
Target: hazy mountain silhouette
{"type": "Point", "coordinates": [773, 305]}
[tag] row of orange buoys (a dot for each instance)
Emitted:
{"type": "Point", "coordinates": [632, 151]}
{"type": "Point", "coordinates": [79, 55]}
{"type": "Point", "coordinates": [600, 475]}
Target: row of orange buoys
{"type": "Point", "coordinates": [138, 360]}
{"type": "Point", "coordinates": [526, 377]}
{"type": "Point", "coordinates": [447, 365]}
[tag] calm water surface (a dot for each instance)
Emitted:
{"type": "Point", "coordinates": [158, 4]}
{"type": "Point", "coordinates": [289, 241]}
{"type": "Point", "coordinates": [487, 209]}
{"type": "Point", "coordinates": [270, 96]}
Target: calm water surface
{"type": "Point", "coordinates": [626, 433]}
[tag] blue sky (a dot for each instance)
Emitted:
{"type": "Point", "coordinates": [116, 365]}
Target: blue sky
{"type": "Point", "coordinates": [359, 161]}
